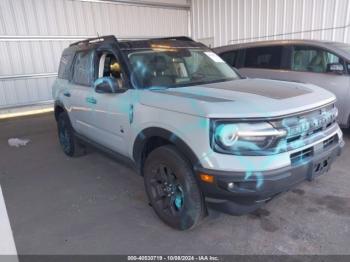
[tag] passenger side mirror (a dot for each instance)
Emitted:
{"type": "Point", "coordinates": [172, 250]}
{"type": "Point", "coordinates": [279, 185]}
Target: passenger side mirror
{"type": "Point", "coordinates": [335, 68]}
{"type": "Point", "coordinates": [107, 85]}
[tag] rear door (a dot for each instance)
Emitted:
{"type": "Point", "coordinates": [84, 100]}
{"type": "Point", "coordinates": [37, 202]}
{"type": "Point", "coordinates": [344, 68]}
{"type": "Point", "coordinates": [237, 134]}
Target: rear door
{"type": "Point", "coordinates": [81, 88]}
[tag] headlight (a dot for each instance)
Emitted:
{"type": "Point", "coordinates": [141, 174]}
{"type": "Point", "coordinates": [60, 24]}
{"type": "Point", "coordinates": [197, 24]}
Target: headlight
{"type": "Point", "coordinates": [245, 138]}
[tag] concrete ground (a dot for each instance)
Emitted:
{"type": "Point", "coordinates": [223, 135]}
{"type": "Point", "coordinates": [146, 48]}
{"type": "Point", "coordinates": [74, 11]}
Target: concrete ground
{"type": "Point", "coordinates": [94, 205]}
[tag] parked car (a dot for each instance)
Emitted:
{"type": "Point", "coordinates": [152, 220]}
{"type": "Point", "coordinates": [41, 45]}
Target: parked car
{"type": "Point", "coordinates": [326, 64]}
{"type": "Point", "coordinates": [196, 132]}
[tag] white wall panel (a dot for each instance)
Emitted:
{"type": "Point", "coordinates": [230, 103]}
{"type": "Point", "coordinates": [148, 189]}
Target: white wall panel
{"type": "Point", "coordinates": [33, 34]}
{"type": "Point", "coordinates": [236, 21]}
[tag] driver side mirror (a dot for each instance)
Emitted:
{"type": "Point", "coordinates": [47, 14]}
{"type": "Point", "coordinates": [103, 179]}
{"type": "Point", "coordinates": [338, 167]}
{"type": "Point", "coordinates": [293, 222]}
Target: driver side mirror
{"type": "Point", "coordinates": [107, 85]}
{"type": "Point", "coordinates": [335, 68]}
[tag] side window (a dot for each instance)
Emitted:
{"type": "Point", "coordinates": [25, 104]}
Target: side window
{"type": "Point", "coordinates": [263, 57]}
{"type": "Point", "coordinates": [83, 68]}
{"type": "Point", "coordinates": [109, 66]}
{"type": "Point", "coordinates": [230, 57]}
{"type": "Point", "coordinates": [65, 66]}
{"type": "Point", "coordinates": [312, 59]}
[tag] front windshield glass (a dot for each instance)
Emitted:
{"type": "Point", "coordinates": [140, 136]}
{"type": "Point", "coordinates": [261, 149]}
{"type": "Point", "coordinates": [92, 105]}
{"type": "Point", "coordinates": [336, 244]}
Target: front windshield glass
{"type": "Point", "coordinates": [177, 67]}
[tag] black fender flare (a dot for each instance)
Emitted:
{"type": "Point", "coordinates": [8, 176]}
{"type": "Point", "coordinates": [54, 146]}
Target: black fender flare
{"type": "Point", "coordinates": [58, 104]}
{"type": "Point", "coordinates": [150, 132]}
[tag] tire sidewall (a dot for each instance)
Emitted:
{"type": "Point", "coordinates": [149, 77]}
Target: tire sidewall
{"type": "Point", "coordinates": [192, 209]}
{"type": "Point", "coordinates": [63, 125]}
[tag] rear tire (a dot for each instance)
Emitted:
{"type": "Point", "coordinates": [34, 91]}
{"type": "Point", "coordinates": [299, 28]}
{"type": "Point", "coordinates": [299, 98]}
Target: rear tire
{"type": "Point", "coordinates": [69, 143]}
{"type": "Point", "coordinates": [172, 188]}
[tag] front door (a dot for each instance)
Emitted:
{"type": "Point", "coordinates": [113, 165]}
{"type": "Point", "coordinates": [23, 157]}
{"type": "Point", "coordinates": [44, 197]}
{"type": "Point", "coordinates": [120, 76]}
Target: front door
{"type": "Point", "coordinates": [111, 111]}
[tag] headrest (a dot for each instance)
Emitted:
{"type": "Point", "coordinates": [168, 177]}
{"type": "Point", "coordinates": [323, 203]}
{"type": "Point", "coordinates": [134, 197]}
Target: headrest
{"type": "Point", "coordinates": [158, 63]}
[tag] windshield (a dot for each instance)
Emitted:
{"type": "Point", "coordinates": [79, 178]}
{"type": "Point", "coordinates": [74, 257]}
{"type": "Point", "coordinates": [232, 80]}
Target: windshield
{"type": "Point", "coordinates": [176, 67]}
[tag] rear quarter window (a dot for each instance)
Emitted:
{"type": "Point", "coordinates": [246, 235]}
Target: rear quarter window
{"type": "Point", "coordinates": [64, 68]}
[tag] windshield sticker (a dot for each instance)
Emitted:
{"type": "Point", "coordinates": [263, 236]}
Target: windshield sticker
{"type": "Point", "coordinates": [214, 57]}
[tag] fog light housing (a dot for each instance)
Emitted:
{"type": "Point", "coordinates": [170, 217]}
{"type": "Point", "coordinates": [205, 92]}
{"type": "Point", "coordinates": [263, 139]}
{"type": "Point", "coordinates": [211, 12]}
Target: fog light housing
{"type": "Point", "coordinates": [230, 185]}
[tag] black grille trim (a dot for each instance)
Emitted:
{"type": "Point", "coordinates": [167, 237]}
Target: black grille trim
{"type": "Point", "coordinates": [301, 156]}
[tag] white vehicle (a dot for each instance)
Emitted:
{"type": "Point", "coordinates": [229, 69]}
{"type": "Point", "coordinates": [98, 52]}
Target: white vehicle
{"type": "Point", "coordinates": [198, 133]}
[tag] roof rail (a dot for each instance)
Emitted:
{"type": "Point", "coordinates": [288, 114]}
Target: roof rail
{"type": "Point", "coordinates": [94, 40]}
{"type": "Point", "coordinates": [112, 37]}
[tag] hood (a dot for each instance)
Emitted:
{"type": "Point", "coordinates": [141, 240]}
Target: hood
{"type": "Point", "coordinates": [243, 98]}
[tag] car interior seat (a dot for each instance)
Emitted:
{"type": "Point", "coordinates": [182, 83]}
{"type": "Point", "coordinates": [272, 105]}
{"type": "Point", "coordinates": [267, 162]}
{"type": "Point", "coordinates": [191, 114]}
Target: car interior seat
{"type": "Point", "coordinates": [159, 66]}
{"type": "Point", "coordinates": [298, 64]}
{"type": "Point", "coordinates": [317, 63]}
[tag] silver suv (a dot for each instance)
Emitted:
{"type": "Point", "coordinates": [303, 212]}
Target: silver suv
{"type": "Point", "coordinates": [322, 63]}
{"type": "Point", "coordinates": [198, 133]}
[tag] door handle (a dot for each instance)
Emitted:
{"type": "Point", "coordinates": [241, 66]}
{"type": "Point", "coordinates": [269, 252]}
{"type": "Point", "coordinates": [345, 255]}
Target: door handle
{"type": "Point", "coordinates": [67, 94]}
{"type": "Point", "coordinates": [91, 100]}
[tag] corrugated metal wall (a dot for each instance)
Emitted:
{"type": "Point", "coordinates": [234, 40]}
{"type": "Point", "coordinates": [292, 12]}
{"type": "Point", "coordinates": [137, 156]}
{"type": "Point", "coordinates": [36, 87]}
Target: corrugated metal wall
{"type": "Point", "coordinates": [33, 34]}
{"type": "Point", "coordinates": [235, 21]}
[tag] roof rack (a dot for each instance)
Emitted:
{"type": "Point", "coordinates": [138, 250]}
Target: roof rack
{"type": "Point", "coordinates": [94, 40]}
{"type": "Point", "coordinates": [112, 37]}
{"type": "Point", "coordinates": [179, 38]}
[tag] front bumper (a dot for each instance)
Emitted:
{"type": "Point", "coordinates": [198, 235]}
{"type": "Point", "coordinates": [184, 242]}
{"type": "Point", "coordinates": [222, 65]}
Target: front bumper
{"type": "Point", "coordinates": [251, 189]}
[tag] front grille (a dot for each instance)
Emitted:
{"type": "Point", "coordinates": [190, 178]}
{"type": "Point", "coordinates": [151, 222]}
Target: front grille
{"type": "Point", "coordinates": [304, 126]}
{"type": "Point", "coordinates": [301, 156]}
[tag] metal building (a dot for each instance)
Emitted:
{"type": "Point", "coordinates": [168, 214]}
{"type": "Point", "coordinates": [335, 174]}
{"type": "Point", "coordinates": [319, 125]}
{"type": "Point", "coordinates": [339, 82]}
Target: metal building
{"type": "Point", "coordinates": [33, 34]}
{"type": "Point", "coordinates": [223, 22]}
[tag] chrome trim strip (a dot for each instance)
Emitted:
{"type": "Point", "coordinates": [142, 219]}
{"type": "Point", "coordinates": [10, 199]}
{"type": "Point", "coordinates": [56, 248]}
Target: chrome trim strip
{"type": "Point", "coordinates": [275, 133]}
{"type": "Point", "coordinates": [27, 76]}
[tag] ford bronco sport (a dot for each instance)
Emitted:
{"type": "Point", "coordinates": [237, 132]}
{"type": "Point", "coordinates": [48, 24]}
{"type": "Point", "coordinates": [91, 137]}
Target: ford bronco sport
{"type": "Point", "coordinates": [198, 133]}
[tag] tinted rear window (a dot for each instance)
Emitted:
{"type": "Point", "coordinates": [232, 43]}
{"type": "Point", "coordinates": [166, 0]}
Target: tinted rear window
{"type": "Point", "coordinates": [230, 57]}
{"type": "Point", "coordinates": [65, 66]}
{"type": "Point", "coordinates": [263, 57]}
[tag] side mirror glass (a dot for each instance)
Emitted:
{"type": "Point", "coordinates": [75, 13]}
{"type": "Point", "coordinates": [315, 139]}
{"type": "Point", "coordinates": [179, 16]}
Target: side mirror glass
{"type": "Point", "coordinates": [107, 85]}
{"type": "Point", "coordinates": [335, 68]}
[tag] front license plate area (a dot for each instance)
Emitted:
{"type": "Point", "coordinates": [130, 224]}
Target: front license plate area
{"type": "Point", "coordinates": [320, 167]}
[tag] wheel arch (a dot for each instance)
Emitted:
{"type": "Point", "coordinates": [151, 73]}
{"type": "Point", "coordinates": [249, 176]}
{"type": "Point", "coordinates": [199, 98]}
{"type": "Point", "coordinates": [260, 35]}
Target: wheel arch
{"type": "Point", "coordinates": [153, 137]}
{"type": "Point", "coordinates": [58, 109]}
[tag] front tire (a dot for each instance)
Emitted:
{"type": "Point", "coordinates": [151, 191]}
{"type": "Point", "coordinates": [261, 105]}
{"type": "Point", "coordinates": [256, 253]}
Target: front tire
{"type": "Point", "coordinates": [172, 188]}
{"type": "Point", "coordinates": [69, 143]}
